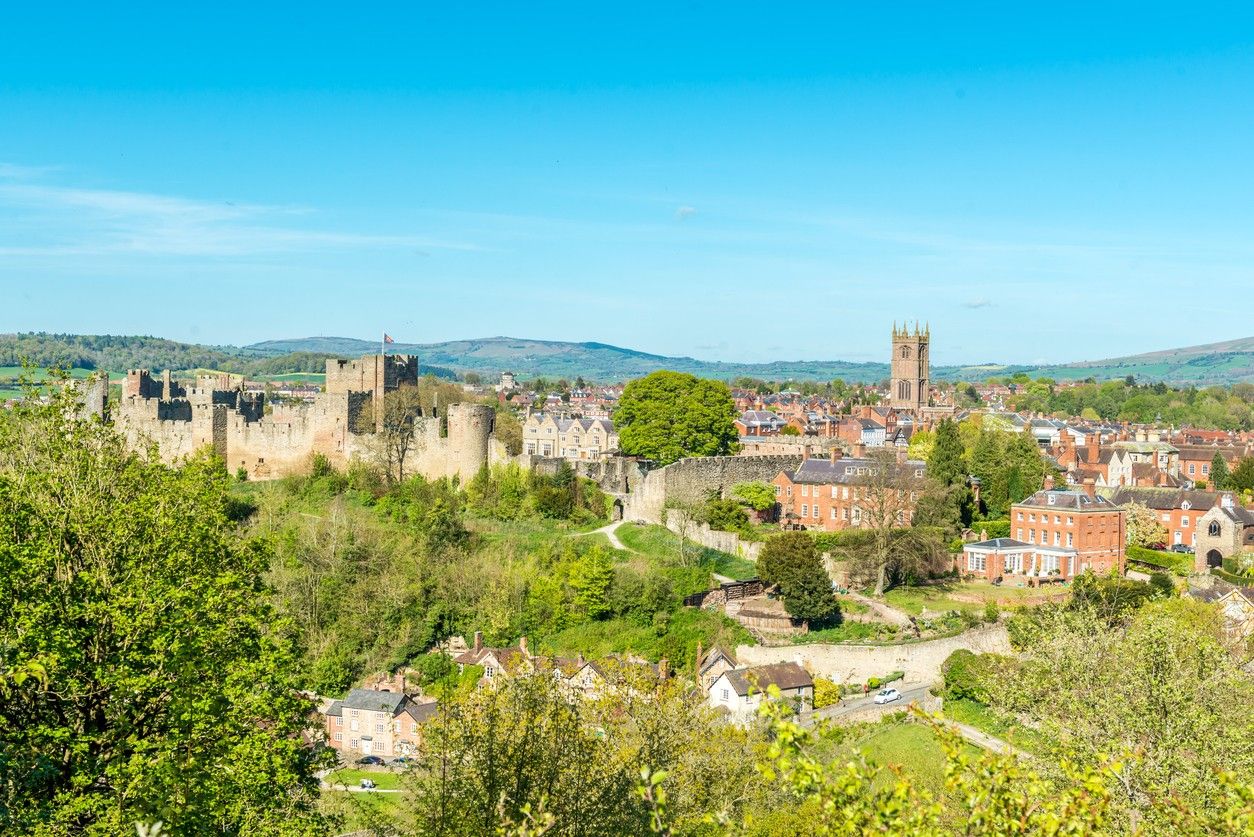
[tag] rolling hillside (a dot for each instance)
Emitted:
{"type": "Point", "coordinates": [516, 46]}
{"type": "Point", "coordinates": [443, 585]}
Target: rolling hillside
{"type": "Point", "coordinates": [1216, 363]}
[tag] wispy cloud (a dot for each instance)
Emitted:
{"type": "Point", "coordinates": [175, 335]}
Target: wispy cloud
{"type": "Point", "coordinates": [978, 302]}
{"type": "Point", "coordinates": [12, 171]}
{"type": "Point", "coordinates": [685, 212]}
{"type": "Point", "coordinates": [43, 220]}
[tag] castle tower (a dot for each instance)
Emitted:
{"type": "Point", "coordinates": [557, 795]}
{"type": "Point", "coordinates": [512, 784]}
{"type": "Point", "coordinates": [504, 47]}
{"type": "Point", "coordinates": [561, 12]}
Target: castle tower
{"type": "Point", "coordinates": [469, 432]}
{"type": "Point", "coordinates": [909, 385]}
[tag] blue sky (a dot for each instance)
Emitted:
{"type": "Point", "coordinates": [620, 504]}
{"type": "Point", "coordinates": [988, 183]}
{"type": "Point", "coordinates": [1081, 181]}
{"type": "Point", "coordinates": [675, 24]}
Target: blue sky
{"type": "Point", "coordinates": [728, 181]}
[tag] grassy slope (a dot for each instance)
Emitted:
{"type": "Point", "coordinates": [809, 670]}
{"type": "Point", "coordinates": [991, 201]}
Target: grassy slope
{"type": "Point", "coordinates": [661, 542]}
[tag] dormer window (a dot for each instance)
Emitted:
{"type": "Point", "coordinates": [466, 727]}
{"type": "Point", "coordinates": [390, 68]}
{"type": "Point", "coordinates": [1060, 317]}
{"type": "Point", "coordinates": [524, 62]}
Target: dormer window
{"type": "Point", "coordinates": [1052, 499]}
{"type": "Point", "coordinates": [1185, 506]}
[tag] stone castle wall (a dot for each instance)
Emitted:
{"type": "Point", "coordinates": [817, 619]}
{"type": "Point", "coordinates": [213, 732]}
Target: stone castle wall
{"type": "Point", "coordinates": [339, 424]}
{"type": "Point", "coordinates": [689, 482]}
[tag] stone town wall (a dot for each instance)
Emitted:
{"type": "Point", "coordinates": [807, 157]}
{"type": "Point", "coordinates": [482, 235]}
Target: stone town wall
{"type": "Point", "coordinates": [921, 661]}
{"type": "Point", "coordinates": [691, 481]}
{"type": "Point", "coordinates": [728, 542]}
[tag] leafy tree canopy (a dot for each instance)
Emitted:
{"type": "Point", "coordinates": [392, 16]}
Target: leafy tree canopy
{"type": "Point", "coordinates": [667, 416]}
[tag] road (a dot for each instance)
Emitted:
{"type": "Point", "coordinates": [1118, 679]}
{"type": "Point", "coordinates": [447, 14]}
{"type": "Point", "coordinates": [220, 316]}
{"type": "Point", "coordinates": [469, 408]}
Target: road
{"type": "Point", "coordinates": [908, 696]}
{"type": "Point", "coordinates": [848, 707]}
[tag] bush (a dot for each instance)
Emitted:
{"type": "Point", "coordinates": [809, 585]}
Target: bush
{"type": "Point", "coordinates": [1163, 586]}
{"type": "Point", "coordinates": [826, 693]}
{"type": "Point", "coordinates": [963, 673]}
{"type": "Point", "coordinates": [991, 612]}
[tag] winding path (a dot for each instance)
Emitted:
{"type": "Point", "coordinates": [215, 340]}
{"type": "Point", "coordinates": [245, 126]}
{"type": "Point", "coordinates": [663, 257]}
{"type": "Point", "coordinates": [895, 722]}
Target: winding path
{"type": "Point", "coordinates": [611, 535]}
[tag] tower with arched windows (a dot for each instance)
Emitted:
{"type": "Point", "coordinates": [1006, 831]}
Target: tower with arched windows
{"type": "Point", "coordinates": [909, 384]}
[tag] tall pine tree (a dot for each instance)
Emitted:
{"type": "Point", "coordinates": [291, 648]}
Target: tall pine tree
{"type": "Point", "coordinates": [1219, 472]}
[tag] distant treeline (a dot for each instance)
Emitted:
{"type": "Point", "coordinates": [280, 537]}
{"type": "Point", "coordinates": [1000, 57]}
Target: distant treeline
{"type": "Point", "coordinates": [119, 353]}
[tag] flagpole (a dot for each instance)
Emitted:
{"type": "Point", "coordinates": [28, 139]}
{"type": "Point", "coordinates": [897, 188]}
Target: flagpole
{"type": "Point", "coordinates": [383, 344]}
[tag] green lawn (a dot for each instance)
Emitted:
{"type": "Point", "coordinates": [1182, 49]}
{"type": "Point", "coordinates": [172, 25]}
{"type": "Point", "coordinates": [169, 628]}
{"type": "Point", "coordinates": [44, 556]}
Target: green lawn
{"type": "Point", "coordinates": [384, 779]}
{"type": "Point", "coordinates": [360, 811]}
{"type": "Point", "coordinates": [946, 596]}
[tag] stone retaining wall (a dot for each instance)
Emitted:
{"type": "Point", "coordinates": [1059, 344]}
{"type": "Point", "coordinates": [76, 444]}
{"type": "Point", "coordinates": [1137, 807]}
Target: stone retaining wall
{"type": "Point", "coordinates": [921, 661]}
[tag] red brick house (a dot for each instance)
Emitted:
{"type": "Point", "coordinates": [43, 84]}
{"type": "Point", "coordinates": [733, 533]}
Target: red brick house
{"type": "Point", "coordinates": [1178, 510]}
{"type": "Point", "coordinates": [1056, 535]}
{"type": "Point", "coordinates": [844, 492]}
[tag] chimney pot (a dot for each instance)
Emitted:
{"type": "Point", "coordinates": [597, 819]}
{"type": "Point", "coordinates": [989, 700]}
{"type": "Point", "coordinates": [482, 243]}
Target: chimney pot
{"type": "Point", "coordinates": [1049, 482]}
{"type": "Point", "coordinates": [1090, 487]}
{"type": "Point", "coordinates": [478, 641]}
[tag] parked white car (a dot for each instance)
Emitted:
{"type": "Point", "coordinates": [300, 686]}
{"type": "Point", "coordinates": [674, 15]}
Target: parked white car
{"type": "Point", "coordinates": [887, 695]}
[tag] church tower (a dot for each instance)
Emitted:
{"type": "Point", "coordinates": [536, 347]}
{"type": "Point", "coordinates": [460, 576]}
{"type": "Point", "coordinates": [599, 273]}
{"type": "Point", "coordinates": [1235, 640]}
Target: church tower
{"type": "Point", "coordinates": [909, 386]}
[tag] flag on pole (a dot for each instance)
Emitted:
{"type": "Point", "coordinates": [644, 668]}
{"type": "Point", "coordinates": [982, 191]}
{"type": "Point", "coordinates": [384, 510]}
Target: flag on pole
{"type": "Point", "coordinates": [387, 338]}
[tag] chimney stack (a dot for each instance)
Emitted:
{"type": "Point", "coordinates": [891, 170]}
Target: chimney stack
{"type": "Point", "coordinates": [834, 453]}
{"type": "Point", "coordinates": [1049, 482]}
{"type": "Point", "coordinates": [478, 641]}
{"type": "Point", "coordinates": [1090, 487]}
{"type": "Point", "coordinates": [859, 450]}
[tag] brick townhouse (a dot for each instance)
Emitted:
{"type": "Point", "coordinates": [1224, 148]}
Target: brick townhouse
{"type": "Point", "coordinates": [1056, 535]}
{"type": "Point", "coordinates": [1178, 510]}
{"type": "Point", "coordinates": [839, 492]}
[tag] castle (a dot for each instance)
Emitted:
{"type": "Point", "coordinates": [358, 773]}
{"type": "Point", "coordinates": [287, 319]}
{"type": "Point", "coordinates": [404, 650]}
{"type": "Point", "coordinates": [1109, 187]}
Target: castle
{"type": "Point", "coordinates": [272, 440]}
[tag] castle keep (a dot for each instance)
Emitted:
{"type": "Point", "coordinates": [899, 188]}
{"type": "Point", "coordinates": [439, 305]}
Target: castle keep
{"type": "Point", "coordinates": [272, 440]}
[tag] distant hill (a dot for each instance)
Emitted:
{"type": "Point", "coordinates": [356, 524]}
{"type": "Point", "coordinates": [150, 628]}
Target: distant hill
{"type": "Point", "coordinates": [1215, 363]}
{"type": "Point", "coordinates": [555, 359]}
{"type": "Point", "coordinates": [1227, 362]}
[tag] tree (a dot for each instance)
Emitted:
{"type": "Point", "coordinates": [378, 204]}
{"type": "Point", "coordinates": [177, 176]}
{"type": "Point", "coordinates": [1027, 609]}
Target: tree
{"type": "Point", "coordinates": [726, 516]}
{"type": "Point", "coordinates": [666, 416]}
{"type": "Point", "coordinates": [789, 430]}
{"type": "Point", "coordinates": [946, 462]}
{"type": "Point", "coordinates": [1143, 527]}
{"type": "Point", "coordinates": [165, 686]}
{"type": "Point", "coordinates": [396, 435]}
{"type": "Point", "coordinates": [885, 501]}
{"type": "Point", "coordinates": [1242, 476]}
{"type": "Point", "coordinates": [759, 496]}
{"type": "Point", "coordinates": [1159, 689]}
{"type": "Point", "coordinates": [791, 561]}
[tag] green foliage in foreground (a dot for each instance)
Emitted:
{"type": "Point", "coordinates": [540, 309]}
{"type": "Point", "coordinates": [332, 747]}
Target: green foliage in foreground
{"type": "Point", "coordinates": [143, 673]}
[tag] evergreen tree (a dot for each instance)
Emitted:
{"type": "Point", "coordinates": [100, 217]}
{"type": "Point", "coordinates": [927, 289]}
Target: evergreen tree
{"type": "Point", "coordinates": [946, 464]}
{"type": "Point", "coordinates": [1219, 472]}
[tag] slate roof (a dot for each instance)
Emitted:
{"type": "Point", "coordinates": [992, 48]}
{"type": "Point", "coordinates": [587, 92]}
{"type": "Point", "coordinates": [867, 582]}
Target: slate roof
{"type": "Point", "coordinates": [844, 470]}
{"type": "Point", "coordinates": [1068, 500]}
{"type": "Point", "coordinates": [756, 418]}
{"type": "Point", "coordinates": [374, 700]}
{"type": "Point", "coordinates": [1002, 543]}
{"type": "Point", "coordinates": [336, 708]}
{"type": "Point", "coordinates": [1165, 499]}
{"type": "Point", "coordinates": [1239, 514]}
{"type": "Point", "coordinates": [422, 712]}
{"type": "Point", "coordinates": [783, 675]}
{"type": "Point", "coordinates": [870, 424]}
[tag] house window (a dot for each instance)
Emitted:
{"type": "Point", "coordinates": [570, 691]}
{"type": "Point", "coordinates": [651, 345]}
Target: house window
{"type": "Point", "coordinates": [833, 492]}
{"type": "Point", "coordinates": [1014, 563]}
{"type": "Point", "coordinates": [1069, 539]}
{"type": "Point", "coordinates": [1057, 539]}
{"type": "Point", "coordinates": [1213, 529]}
{"type": "Point", "coordinates": [1070, 520]}
{"type": "Point", "coordinates": [1191, 469]}
{"type": "Point", "coordinates": [833, 512]}
{"type": "Point", "coordinates": [1019, 534]}
{"type": "Point", "coordinates": [815, 510]}
{"type": "Point", "coordinates": [1205, 467]}
{"type": "Point", "coordinates": [975, 561]}
{"type": "Point", "coordinates": [1031, 536]}
{"type": "Point", "coordinates": [1020, 517]}
{"type": "Point", "coordinates": [805, 491]}
{"type": "Point", "coordinates": [1184, 521]}
{"type": "Point", "coordinates": [353, 743]}
{"type": "Point", "coordinates": [1049, 564]}
{"type": "Point", "coordinates": [805, 509]}
{"type": "Point", "coordinates": [777, 491]}
{"type": "Point", "coordinates": [488, 671]}
{"type": "Point", "coordinates": [725, 694]}
{"type": "Point", "coordinates": [339, 720]}
{"type": "Point", "coordinates": [1057, 520]}
{"type": "Point", "coordinates": [413, 728]}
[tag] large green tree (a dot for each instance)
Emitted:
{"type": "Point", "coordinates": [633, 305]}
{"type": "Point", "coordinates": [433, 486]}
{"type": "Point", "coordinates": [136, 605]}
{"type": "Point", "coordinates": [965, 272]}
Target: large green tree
{"type": "Point", "coordinates": [791, 561]}
{"type": "Point", "coordinates": [156, 683]}
{"type": "Point", "coordinates": [667, 416]}
{"type": "Point", "coordinates": [1218, 472]}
